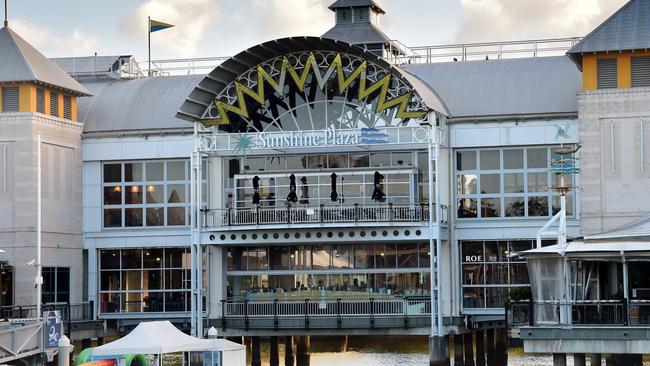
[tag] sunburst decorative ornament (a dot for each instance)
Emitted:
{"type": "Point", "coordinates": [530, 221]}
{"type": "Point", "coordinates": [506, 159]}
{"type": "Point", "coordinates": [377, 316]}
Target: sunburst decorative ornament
{"type": "Point", "coordinates": [243, 143]}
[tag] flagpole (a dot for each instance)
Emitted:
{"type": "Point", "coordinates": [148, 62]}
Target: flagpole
{"type": "Point", "coordinates": [149, 42]}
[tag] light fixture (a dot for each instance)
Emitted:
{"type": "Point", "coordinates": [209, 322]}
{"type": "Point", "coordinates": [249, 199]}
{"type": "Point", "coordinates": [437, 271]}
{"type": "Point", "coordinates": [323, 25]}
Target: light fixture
{"type": "Point", "coordinates": [157, 259]}
{"type": "Point", "coordinates": [151, 189]}
{"type": "Point", "coordinates": [381, 254]}
{"type": "Point", "coordinates": [117, 189]}
{"type": "Point", "coordinates": [135, 189]}
{"type": "Point", "coordinates": [32, 262]}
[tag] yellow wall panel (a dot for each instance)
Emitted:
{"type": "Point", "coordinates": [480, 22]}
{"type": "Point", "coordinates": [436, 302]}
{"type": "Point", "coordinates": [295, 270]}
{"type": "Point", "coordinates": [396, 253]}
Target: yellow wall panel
{"type": "Point", "coordinates": [46, 105]}
{"type": "Point", "coordinates": [73, 108]}
{"type": "Point", "coordinates": [589, 73]}
{"type": "Point", "coordinates": [624, 71]}
{"type": "Point", "coordinates": [27, 98]}
{"type": "Point", "coordinates": [60, 105]}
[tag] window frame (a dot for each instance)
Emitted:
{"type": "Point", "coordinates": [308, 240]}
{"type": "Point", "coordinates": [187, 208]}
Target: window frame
{"type": "Point", "coordinates": [549, 193]}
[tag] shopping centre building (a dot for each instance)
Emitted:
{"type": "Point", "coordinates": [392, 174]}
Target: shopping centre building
{"type": "Point", "coordinates": [323, 168]}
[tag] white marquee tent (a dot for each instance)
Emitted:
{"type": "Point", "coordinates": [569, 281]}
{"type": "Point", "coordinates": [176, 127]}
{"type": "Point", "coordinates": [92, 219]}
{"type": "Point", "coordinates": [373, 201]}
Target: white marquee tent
{"type": "Point", "coordinates": [160, 337]}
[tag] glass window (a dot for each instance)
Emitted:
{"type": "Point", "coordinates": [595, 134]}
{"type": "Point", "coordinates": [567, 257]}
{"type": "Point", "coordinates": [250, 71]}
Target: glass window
{"type": "Point", "coordinates": [364, 256]}
{"type": "Point", "coordinates": [490, 183]}
{"type": "Point", "coordinates": [513, 183]}
{"type": "Point", "coordinates": [133, 195]}
{"type": "Point", "coordinates": [112, 172]}
{"type": "Point", "coordinates": [133, 172]}
{"type": "Point", "coordinates": [279, 257]}
{"type": "Point", "coordinates": [153, 258]}
{"type": "Point", "coordinates": [131, 258]}
{"type": "Point", "coordinates": [176, 193]}
{"type": "Point", "coordinates": [538, 206]}
{"type": "Point", "coordinates": [424, 260]}
{"type": "Point", "coordinates": [256, 258]}
{"type": "Point", "coordinates": [473, 274]}
{"type": "Point", "coordinates": [110, 280]}
{"type": "Point", "coordinates": [321, 256]}
{"type": "Point", "coordinates": [359, 160]}
{"type": "Point", "coordinates": [385, 255]}
{"type": "Point", "coordinates": [110, 259]}
{"type": "Point", "coordinates": [301, 257]}
{"type": "Point", "coordinates": [112, 217]}
{"type": "Point", "coordinates": [513, 159]}
{"type": "Point", "coordinates": [467, 184]}
{"type": "Point", "coordinates": [467, 208]}
{"type": "Point", "coordinates": [496, 251]}
{"type": "Point", "coordinates": [490, 160]}
{"type": "Point", "coordinates": [175, 216]}
{"type": "Point", "coordinates": [514, 206]}
{"type": "Point", "coordinates": [473, 297]}
{"type": "Point", "coordinates": [113, 195]}
{"type": "Point", "coordinates": [537, 158]}
{"type": "Point", "coordinates": [490, 207]}
{"type": "Point", "coordinates": [133, 217]}
{"type": "Point", "coordinates": [175, 170]}
{"type": "Point", "coordinates": [156, 216]}
{"type": "Point", "coordinates": [380, 159]}
{"type": "Point", "coordinates": [496, 297]}
{"type": "Point", "coordinates": [155, 171]}
{"type": "Point", "coordinates": [537, 182]}
{"type": "Point", "coordinates": [407, 255]}
{"type": "Point", "coordinates": [472, 251]}
{"type": "Point", "coordinates": [342, 257]}
{"type": "Point", "coordinates": [466, 160]}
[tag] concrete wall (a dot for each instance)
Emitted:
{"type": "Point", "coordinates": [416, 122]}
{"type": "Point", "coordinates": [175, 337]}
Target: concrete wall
{"type": "Point", "coordinates": [615, 157]}
{"type": "Point", "coordinates": [61, 195]}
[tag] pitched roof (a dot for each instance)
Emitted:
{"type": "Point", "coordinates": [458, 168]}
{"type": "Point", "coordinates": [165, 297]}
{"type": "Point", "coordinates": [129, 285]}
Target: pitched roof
{"type": "Point", "coordinates": [357, 4]}
{"type": "Point", "coordinates": [494, 88]}
{"type": "Point", "coordinates": [627, 29]}
{"type": "Point", "coordinates": [357, 33]}
{"type": "Point", "coordinates": [22, 62]}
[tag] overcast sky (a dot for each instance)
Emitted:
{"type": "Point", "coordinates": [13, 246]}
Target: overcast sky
{"type": "Point", "coordinates": [225, 27]}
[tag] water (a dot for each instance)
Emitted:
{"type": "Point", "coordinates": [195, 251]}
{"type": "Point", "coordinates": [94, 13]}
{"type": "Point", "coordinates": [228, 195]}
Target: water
{"type": "Point", "coordinates": [387, 351]}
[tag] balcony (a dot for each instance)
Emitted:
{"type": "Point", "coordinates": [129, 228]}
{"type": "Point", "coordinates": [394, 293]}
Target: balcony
{"type": "Point", "coordinates": [323, 215]}
{"type": "Point", "coordinates": [322, 313]}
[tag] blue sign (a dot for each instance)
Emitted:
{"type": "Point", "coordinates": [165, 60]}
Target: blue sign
{"type": "Point", "coordinates": [53, 328]}
{"type": "Point", "coordinates": [373, 136]}
{"type": "Point", "coordinates": [212, 358]}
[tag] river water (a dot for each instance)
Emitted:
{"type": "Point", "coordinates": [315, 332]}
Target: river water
{"type": "Point", "coordinates": [388, 351]}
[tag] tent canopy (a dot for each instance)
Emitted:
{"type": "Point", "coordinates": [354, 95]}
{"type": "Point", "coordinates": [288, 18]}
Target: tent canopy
{"type": "Point", "coordinates": [162, 337]}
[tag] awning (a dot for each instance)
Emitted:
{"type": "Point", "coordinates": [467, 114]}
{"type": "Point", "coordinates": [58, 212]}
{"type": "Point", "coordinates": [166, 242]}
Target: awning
{"type": "Point", "coordinates": [161, 337]}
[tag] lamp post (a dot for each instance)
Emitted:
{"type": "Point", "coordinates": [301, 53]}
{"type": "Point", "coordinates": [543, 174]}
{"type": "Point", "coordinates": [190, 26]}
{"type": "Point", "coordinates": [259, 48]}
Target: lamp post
{"type": "Point", "coordinates": [39, 274]}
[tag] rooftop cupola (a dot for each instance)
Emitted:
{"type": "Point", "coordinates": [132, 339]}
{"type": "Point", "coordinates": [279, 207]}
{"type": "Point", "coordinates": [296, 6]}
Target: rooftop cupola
{"type": "Point", "coordinates": [357, 22]}
{"type": "Point", "coordinates": [357, 11]}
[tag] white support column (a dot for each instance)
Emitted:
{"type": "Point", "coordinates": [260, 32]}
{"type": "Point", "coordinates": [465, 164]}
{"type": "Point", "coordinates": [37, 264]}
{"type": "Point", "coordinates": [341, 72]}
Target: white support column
{"type": "Point", "coordinates": [199, 248]}
{"type": "Point", "coordinates": [626, 291]}
{"type": "Point", "coordinates": [93, 278]}
{"type": "Point", "coordinates": [217, 269]}
{"type": "Point", "coordinates": [437, 134]}
{"type": "Point", "coordinates": [193, 225]}
{"type": "Point", "coordinates": [432, 265]}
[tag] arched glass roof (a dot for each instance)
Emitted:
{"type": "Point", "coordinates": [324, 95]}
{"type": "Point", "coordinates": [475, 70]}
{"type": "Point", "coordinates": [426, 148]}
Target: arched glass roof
{"type": "Point", "coordinates": [307, 84]}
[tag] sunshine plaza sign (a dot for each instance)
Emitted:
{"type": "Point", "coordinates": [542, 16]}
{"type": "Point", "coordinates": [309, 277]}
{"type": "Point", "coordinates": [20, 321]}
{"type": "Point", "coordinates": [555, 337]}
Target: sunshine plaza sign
{"type": "Point", "coordinates": [319, 138]}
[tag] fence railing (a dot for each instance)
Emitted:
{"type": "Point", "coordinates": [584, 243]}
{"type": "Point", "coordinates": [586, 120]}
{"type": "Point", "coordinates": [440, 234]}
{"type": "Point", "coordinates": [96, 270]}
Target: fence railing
{"type": "Point", "coordinates": [69, 312]}
{"type": "Point", "coordinates": [396, 53]}
{"type": "Point", "coordinates": [622, 312]}
{"type": "Point", "coordinates": [310, 309]}
{"type": "Point", "coordinates": [216, 218]}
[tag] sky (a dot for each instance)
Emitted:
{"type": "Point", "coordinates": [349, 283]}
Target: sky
{"type": "Point", "coordinates": [207, 28]}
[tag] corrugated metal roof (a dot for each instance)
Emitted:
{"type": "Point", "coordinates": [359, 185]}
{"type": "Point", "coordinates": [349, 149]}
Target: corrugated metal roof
{"type": "Point", "coordinates": [356, 3]}
{"type": "Point", "coordinates": [22, 62]}
{"type": "Point", "coordinates": [357, 33]}
{"type": "Point", "coordinates": [137, 104]}
{"type": "Point", "coordinates": [503, 87]}
{"type": "Point", "coordinates": [627, 29]}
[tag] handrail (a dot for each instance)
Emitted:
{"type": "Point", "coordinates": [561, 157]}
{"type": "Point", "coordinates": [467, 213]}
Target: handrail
{"type": "Point", "coordinates": [398, 53]}
{"type": "Point", "coordinates": [622, 312]}
{"type": "Point", "coordinates": [323, 214]}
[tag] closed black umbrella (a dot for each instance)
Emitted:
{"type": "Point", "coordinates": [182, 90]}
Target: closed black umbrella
{"type": "Point", "coordinates": [377, 194]}
{"type": "Point", "coordinates": [334, 196]}
{"type": "Point", "coordinates": [256, 190]}
{"type": "Point", "coordinates": [292, 197]}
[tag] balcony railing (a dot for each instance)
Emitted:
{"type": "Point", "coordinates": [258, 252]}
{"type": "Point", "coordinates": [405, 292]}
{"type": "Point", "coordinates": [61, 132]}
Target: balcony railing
{"type": "Point", "coordinates": [301, 312]}
{"type": "Point", "coordinates": [323, 214]}
{"type": "Point", "coordinates": [582, 313]}
{"type": "Point", "coordinates": [69, 312]}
